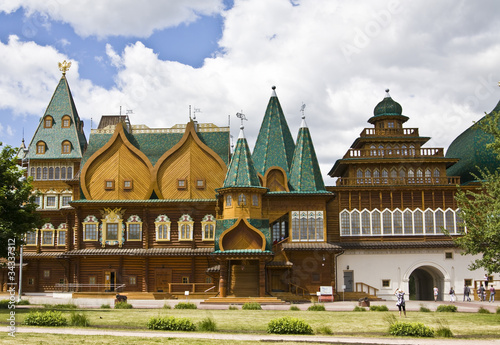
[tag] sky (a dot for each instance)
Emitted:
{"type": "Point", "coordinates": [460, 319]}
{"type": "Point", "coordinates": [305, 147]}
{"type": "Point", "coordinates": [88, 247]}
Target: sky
{"type": "Point", "coordinates": [440, 60]}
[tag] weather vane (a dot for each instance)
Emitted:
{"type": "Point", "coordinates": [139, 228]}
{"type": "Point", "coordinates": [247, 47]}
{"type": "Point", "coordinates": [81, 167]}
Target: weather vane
{"type": "Point", "coordinates": [302, 109]}
{"type": "Point", "coordinates": [64, 66]}
{"type": "Point", "coordinates": [242, 117]}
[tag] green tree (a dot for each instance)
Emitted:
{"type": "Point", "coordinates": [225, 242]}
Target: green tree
{"type": "Point", "coordinates": [17, 203]}
{"type": "Point", "coordinates": [480, 209]}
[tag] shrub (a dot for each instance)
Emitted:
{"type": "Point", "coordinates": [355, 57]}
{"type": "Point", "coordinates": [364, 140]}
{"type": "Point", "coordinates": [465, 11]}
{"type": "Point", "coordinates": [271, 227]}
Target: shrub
{"type": "Point", "coordinates": [443, 329]}
{"type": "Point", "coordinates": [498, 310]}
{"type": "Point", "coordinates": [288, 325]}
{"type": "Point", "coordinates": [251, 306]}
{"type": "Point", "coordinates": [105, 306]}
{"type": "Point", "coordinates": [167, 306]}
{"type": "Point", "coordinates": [60, 306]}
{"type": "Point", "coordinates": [483, 310]}
{"type": "Point", "coordinates": [446, 308]}
{"type": "Point", "coordinates": [424, 309]}
{"type": "Point", "coordinates": [79, 319]}
{"type": "Point", "coordinates": [185, 305]}
{"type": "Point", "coordinates": [4, 304]}
{"type": "Point", "coordinates": [45, 318]}
{"type": "Point", "coordinates": [207, 325]}
{"type": "Point", "coordinates": [123, 305]}
{"type": "Point", "coordinates": [379, 308]}
{"type": "Point", "coordinates": [390, 319]}
{"type": "Point", "coordinates": [294, 307]}
{"type": "Point", "coordinates": [325, 330]}
{"type": "Point", "coordinates": [416, 329]}
{"type": "Point", "coordinates": [358, 308]}
{"type": "Point", "coordinates": [171, 324]}
{"type": "Point", "coordinates": [316, 307]}
{"type": "Point", "coordinates": [233, 307]}
{"type": "Point", "coordinates": [23, 302]}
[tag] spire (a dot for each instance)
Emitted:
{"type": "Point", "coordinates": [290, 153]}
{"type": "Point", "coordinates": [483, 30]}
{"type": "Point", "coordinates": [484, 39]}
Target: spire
{"type": "Point", "coordinates": [305, 174]}
{"type": "Point", "coordinates": [60, 123]}
{"type": "Point", "coordinates": [274, 145]}
{"type": "Point", "coordinates": [241, 171]}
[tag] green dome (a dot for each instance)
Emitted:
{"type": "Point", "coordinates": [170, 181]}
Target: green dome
{"type": "Point", "coordinates": [388, 106]}
{"type": "Point", "coordinates": [470, 148]}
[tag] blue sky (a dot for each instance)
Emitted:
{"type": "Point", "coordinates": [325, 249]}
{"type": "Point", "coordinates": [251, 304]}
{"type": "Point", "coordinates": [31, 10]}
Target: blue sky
{"type": "Point", "coordinates": [439, 59]}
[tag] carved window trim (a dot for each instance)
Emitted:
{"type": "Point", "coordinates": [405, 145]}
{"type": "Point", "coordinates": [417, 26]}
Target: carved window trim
{"type": "Point", "coordinates": [132, 221]}
{"type": "Point", "coordinates": [185, 228]}
{"type": "Point", "coordinates": [208, 228]}
{"type": "Point", "coordinates": [162, 220]}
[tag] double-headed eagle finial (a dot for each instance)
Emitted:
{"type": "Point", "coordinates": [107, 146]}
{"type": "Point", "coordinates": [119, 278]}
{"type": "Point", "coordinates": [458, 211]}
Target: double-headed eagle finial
{"type": "Point", "coordinates": [64, 66]}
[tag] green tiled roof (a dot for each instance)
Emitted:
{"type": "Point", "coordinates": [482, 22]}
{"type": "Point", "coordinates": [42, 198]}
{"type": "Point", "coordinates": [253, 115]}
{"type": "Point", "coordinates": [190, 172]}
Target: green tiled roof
{"type": "Point", "coordinates": [261, 224]}
{"type": "Point", "coordinates": [241, 171]}
{"type": "Point", "coordinates": [274, 145]}
{"type": "Point", "coordinates": [470, 148]}
{"type": "Point", "coordinates": [61, 104]}
{"type": "Point", "coordinates": [305, 174]}
{"type": "Point", "coordinates": [154, 145]}
{"type": "Point", "coordinates": [388, 107]}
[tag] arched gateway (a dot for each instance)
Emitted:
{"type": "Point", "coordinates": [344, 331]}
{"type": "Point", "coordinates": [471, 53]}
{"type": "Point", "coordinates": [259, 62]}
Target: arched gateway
{"type": "Point", "coordinates": [421, 281]}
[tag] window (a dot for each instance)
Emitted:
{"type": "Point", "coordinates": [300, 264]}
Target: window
{"type": "Point", "coordinates": [315, 277]}
{"type": "Point", "coordinates": [112, 231]}
{"type": "Point", "coordinates": [134, 228]}
{"type": "Point", "coordinates": [468, 282]}
{"type": "Point", "coordinates": [56, 173]}
{"type": "Point", "coordinates": [185, 226]}
{"type": "Point", "coordinates": [345, 223]}
{"type": "Point", "coordinates": [62, 281]}
{"type": "Point", "coordinates": [398, 222]}
{"type": "Point", "coordinates": [92, 280]}
{"type": "Point", "coordinates": [112, 228]}
{"type": "Point", "coordinates": [32, 238]}
{"type": "Point", "coordinates": [61, 237]}
{"type": "Point", "coordinates": [185, 280]}
{"type": "Point", "coordinates": [387, 222]}
{"type": "Point", "coordinates": [65, 199]}
{"type": "Point", "coordinates": [31, 281]}
{"type": "Point", "coordinates": [90, 225]}
{"type": "Point", "coordinates": [390, 125]}
{"type": "Point", "coordinates": [109, 184]}
{"type": "Point", "coordinates": [66, 121]}
{"type": "Point", "coordinates": [428, 175]}
{"type": "Point", "coordinates": [46, 274]}
{"type": "Point", "coordinates": [45, 173]}
{"type": "Point", "coordinates": [208, 227]}
{"type": "Point", "coordinates": [419, 176]}
{"type": "Point", "coordinates": [38, 173]}
{"type": "Point", "coordinates": [448, 255]}
{"type": "Point", "coordinates": [181, 184]}
{"type": "Point", "coordinates": [386, 283]}
{"type": "Point", "coordinates": [65, 147]}
{"type": "Point", "coordinates": [47, 237]}
{"type": "Point", "coordinates": [200, 184]}
{"type": "Point", "coordinates": [50, 201]}
{"type": "Point", "coordinates": [40, 148]}
{"type": "Point", "coordinates": [208, 280]}
{"type": "Point", "coordinates": [63, 173]}
{"type": "Point", "coordinates": [242, 200]}
{"type": "Point", "coordinates": [255, 200]}
{"type": "Point", "coordinates": [308, 226]}
{"type": "Point", "coordinates": [48, 121]}
{"type": "Point", "coordinates": [429, 222]}
{"type": "Point", "coordinates": [38, 201]}
{"type": "Point", "coordinates": [229, 200]}
{"type": "Point", "coordinates": [162, 224]}
{"type": "Point", "coordinates": [51, 173]}
{"type": "Point", "coordinates": [385, 174]}
{"type": "Point", "coordinates": [132, 280]}
{"type": "Point", "coordinates": [127, 184]}
{"type": "Point", "coordinates": [70, 173]}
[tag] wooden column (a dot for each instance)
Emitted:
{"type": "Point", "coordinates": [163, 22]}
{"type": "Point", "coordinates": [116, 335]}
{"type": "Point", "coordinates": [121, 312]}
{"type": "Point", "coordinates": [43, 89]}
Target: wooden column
{"type": "Point", "coordinates": [223, 279]}
{"type": "Point", "coordinates": [145, 275]}
{"type": "Point", "coordinates": [262, 278]}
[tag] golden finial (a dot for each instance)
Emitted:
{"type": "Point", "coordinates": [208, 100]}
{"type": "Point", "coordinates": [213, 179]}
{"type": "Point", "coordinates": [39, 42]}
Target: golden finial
{"type": "Point", "coordinates": [64, 66]}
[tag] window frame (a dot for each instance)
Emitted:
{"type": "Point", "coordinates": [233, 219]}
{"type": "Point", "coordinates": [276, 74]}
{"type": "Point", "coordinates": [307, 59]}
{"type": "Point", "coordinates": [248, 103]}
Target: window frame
{"type": "Point", "coordinates": [26, 243]}
{"type": "Point", "coordinates": [48, 121]}
{"type": "Point", "coordinates": [130, 182]}
{"type": "Point", "coordinates": [90, 220]}
{"type": "Point", "coordinates": [162, 220]}
{"type": "Point", "coordinates": [134, 220]}
{"type": "Point", "coordinates": [208, 220]}
{"type": "Point", "coordinates": [66, 147]}
{"type": "Point", "coordinates": [41, 147]}
{"type": "Point", "coordinates": [181, 183]}
{"type": "Point", "coordinates": [200, 183]}
{"type": "Point", "coordinates": [111, 186]}
{"type": "Point", "coordinates": [182, 233]}
{"type": "Point", "coordinates": [66, 118]}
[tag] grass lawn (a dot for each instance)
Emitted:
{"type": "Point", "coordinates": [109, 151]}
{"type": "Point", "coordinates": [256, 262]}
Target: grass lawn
{"type": "Point", "coordinates": [365, 324]}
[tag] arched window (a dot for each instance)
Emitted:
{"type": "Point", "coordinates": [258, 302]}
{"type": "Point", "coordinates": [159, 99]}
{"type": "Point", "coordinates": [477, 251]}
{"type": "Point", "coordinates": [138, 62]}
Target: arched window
{"type": "Point", "coordinates": [373, 151]}
{"type": "Point", "coordinates": [404, 151]}
{"type": "Point", "coordinates": [402, 175]}
{"type": "Point", "coordinates": [376, 175]}
{"type": "Point", "coordinates": [359, 175]}
{"type": "Point", "coordinates": [396, 150]}
{"type": "Point", "coordinates": [51, 173]}
{"type": "Point", "coordinates": [376, 223]}
{"type": "Point", "coordinates": [387, 222]}
{"type": "Point", "coordinates": [229, 200]}
{"type": "Point", "coordinates": [385, 175]}
{"type": "Point", "coordinates": [66, 147]}
{"type": "Point", "coordinates": [429, 222]}
{"type": "Point", "coordinates": [450, 221]}
{"type": "Point", "coordinates": [242, 200]}
{"type": "Point", "coordinates": [428, 178]}
{"type": "Point", "coordinates": [69, 173]}
{"type": "Point", "coordinates": [397, 218]}
{"type": "Point", "coordinates": [419, 176]}
{"type": "Point", "coordinates": [437, 174]}
{"type": "Point", "coordinates": [56, 173]}
{"type": "Point", "coordinates": [38, 173]}
{"type": "Point", "coordinates": [185, 226]}
{"type": "Point", "coordinates": [411, 176]}
{"type": "Point", "coordinates": [40, 148]}
{"type": "Point", "coordinates": [66, 121]}
{"type": "Point", "coordinates": [408, 222]}
{"type": "Point", "coordinates": [412, 150]}
{"type": "Point", "coordinates": [355, 222]}
{"type": "Point", "coordinates": [368, 175]}
{"type": "Point", "coordinates": [63, 173]}
{"type": "Point", "coordinates": [381, 150]}
{"type": "Point", "coordinates": [365, 223]}
{"type": "Point", "coordinates": [394, 173]}
{"type": "Point", "coordinates": [439, 215]}
{"type": "Point", "coordinates": [48, 121]}
{"type": "Point", "coordinates": [32, 172]}
{"type": "Point", "coordinates": [45, 173]}
{"type": "Point", "coordinates": [418, 222]}
{"type": "Point", "coordinates": [345, 224]}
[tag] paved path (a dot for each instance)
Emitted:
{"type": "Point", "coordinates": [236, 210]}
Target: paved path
{"type": "Point", "coordinates": [258, 337]}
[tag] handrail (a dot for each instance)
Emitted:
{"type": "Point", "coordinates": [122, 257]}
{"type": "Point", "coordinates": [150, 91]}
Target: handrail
{"type": "Point", "coordinates": [76, 286]}
{"type": "Point", "coordinates": [213, 287]}
{"type": "Point", "coordinates": [360, 287]}
{"type": "Point", "coordinates": [290, 285]}
{"type": "Point", "coordinates": [395, 152]}
{"type": "Point", "coordinates": [408, 181]}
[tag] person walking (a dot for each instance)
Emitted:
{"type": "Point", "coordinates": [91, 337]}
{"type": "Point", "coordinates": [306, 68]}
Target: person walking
{"type": "Point", "coordinates": [436, 292]}
{"type": "Point", "coordinates": [466, 293]}
{"type": "Point", "coordinates": [401, 301]}
{"type": "Point", "coordinates": [480, 293]}
{"type": "Point", "coordinates": [452, 295]}
{"type": "Point", "coordinates": [492, 294]}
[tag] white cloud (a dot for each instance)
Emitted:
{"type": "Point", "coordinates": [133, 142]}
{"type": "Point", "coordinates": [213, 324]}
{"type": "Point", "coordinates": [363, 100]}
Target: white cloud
{"type": "Point", "coordinates": [117, 17]}
{"type": "Point", "coordinates": [439, 60]}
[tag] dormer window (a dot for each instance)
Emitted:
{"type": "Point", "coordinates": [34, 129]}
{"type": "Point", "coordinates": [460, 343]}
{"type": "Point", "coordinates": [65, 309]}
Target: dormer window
{"type": "Point", "coordinates": [181, 184]}
{"type": "Point", "coordinates": [127, 184]}
{"type": "Point", "coordinates": [66, 147]}
{"type": "Point", "coordinates": [66, 121]}
{"type": "Point", "coordinates": [48, 121]}
{"type": "Point", "coordinates": [40, 148]}
{"type": "Point", "coordinates": [109, 184]}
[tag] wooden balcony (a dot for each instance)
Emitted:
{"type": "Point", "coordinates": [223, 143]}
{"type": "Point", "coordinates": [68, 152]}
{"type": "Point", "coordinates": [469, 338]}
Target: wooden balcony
{"type": "Point", "coordinates": [398, 181]}
{"type": "Point", "coordinates": [395, 153]}
{"type": "Point", "coordinates": [389, 132]}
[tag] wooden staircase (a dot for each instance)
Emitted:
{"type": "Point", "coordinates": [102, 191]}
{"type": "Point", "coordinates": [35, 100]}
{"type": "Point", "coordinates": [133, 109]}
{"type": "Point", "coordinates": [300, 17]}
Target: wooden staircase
{"type": "Point", "coordinates": [291, 297]}
{"type": "Point", "coordinates": [242, 300]}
